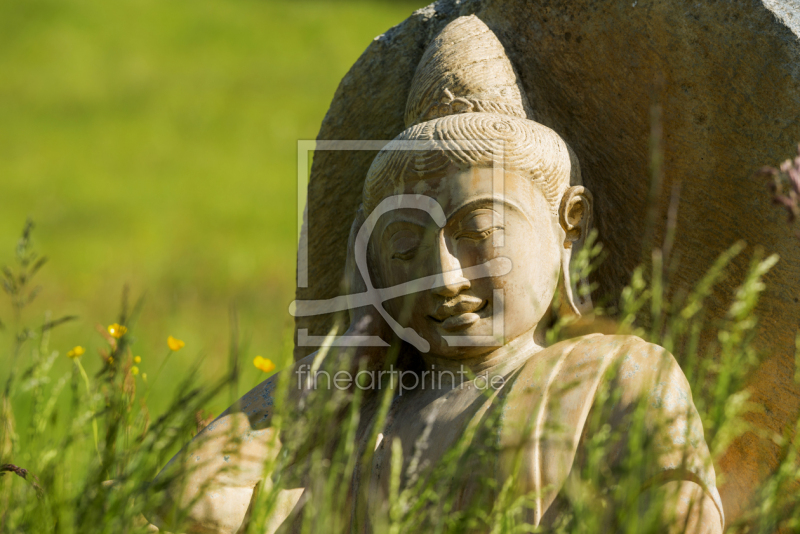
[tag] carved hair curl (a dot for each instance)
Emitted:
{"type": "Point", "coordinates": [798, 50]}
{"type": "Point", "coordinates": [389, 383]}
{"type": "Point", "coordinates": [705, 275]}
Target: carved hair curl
{"type": "Point", "coordinates": [474, 140]}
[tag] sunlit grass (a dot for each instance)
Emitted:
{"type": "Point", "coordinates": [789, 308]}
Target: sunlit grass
{"type": "Point", "coordinates": [81, 450]}
{"type": "Point", "coordinates": [154, 144]}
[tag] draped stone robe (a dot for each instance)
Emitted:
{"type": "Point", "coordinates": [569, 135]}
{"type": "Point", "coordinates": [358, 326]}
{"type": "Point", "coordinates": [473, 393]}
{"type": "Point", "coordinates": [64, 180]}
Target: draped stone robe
{"type": "Point", "coordinates": [534, 428]}
{"type": "Point", "coordinates": [545, 407]}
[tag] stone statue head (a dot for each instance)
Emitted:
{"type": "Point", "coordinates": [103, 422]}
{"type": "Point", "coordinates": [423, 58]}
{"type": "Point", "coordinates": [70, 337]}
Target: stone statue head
{"type": "Point", "coordinates": [508, 188]}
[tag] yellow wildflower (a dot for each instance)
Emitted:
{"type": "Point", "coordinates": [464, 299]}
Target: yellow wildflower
{"type": "Point", "coordinates": [117, 330]}
{"type": "Point", "coordinates": [144, 377]}
{"type": "Point", "coordinates": [76, 352]}
{"type": "Point", "coordinates": [175, 344]}
{"type": "Point", "coordinates": [137, 359]}
{"type": "Point", "coordinates": [264, 364]}
{"type": "Point", "coordinates": [110, 360]}
{"type": "Point", "coordinates": [135, 370]}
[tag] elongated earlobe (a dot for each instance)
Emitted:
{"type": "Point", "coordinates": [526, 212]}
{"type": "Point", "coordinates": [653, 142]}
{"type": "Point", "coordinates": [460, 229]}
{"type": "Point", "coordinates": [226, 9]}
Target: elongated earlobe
{"type": "Point", "coordinates": [566, 280]}
{"type": "Point", "coordinates": [574, 216]}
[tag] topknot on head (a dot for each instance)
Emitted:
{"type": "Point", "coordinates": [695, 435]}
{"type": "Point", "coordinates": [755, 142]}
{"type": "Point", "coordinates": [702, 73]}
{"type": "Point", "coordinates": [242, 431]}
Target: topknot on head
{"type": "Point", "coordinates": [467, 108]}
{"type": "Point", "coordinates": [465, 69]}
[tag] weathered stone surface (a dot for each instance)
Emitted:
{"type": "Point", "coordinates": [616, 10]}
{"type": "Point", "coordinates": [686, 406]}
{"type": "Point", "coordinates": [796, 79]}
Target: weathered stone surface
{"type": "Point", "coordinates": [727, 77]}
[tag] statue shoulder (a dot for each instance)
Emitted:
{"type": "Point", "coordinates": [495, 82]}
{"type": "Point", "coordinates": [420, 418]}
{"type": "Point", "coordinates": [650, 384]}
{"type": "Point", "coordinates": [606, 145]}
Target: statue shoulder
{"type": "Point", "coordinates": [631, 362]}
{"type": "Point", "coordinates": [561, 385]}
{"type": "Point", "coordinates": [560, 382]}
{"type": "Point", "coordinates": [565, 389]}
{"type": "Point", "coordinates": [641, 386]}
{"type": "Point", "coordinates": [632, 365]}
{"type": "Point", "coordinates": [634, 369]}
{"type": "Point", "coordinates": [553, 394]}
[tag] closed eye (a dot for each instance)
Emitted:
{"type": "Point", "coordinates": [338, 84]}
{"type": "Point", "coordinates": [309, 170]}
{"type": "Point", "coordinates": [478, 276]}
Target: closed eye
{"type": "Point", "coordinates": [478, 225]}
{"type": "Point", "coordinates": [405, 256]}
{"type": "Point", "coordinates": [477, 235]}
{"type": "Point", "coordinates": [405, 245]}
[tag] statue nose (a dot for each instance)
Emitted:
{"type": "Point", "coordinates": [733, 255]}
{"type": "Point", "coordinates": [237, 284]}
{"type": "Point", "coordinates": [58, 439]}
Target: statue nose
{"type": "Point", "coordinates": [453, 280]}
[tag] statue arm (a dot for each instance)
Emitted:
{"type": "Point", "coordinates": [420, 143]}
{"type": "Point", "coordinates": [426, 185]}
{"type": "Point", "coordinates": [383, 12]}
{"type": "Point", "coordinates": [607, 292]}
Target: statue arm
{"type": "Point", "coordinates": [694, 509]}
{"type": "Point", "coordinates": [650, 381]}
{"type": "Point", "coordinates": [210, 484]}
{"type": "Point", "coordinates": [636, 395]}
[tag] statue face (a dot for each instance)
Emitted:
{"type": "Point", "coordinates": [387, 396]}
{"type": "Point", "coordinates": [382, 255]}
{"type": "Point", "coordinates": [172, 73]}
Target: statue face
{"type": "Point", "coordinates": [409, 245]}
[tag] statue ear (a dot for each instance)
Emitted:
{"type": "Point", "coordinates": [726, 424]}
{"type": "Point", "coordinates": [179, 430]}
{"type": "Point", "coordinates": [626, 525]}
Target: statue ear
{"type": "Point", "coordinates": [574, 216]}
{"type": "Point", "coordinates": [575, 213]}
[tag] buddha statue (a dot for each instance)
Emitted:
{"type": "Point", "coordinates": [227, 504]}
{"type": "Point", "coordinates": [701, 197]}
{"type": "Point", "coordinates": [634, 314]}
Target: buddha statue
{"type": "Point", "coordinates": [472, 217]}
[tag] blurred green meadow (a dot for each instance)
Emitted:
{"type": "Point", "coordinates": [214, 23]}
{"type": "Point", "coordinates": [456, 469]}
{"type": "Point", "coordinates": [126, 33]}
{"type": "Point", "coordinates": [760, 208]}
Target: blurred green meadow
{"type": "Point", "coordinates": [153, 143]}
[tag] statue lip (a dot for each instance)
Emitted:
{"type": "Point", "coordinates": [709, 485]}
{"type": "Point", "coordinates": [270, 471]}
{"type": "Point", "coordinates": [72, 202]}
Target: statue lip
{"type": "Point", "coordinates": [460, 321]}
{"type": "Point", "coordinates": [459, 313]}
